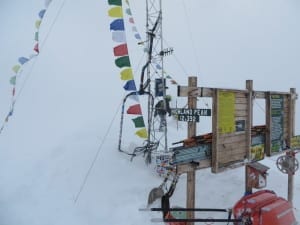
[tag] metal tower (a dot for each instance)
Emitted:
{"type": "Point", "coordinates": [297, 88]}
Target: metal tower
{"type": "Point", "coordinates": [153, 71]}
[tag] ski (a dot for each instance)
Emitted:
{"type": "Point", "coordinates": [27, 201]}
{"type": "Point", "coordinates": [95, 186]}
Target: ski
{"type": "Point", "coordinates": [159, 220]}
{"type": "Point", "coordinates": [186, 209]}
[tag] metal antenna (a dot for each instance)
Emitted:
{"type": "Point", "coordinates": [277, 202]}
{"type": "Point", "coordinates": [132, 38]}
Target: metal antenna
{"type": "Point", "coordinates": [154, 68]}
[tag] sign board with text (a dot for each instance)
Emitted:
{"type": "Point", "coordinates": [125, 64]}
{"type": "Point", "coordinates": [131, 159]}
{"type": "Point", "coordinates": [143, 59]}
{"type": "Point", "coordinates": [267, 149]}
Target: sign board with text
{"type": "Point", "coordinates": [191, 115]}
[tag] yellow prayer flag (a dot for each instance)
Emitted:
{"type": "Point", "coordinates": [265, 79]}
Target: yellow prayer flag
{"type": "Point", "coordinates": [16, 68]}
{"type": "Point", "coordinates": [116, 12]}
{"type": "Point", "coordinates": [38, 24]}
{"type": "Point", "coordinates": [142, 133]}
{"type": "Point", "coordinates": [127, 74]}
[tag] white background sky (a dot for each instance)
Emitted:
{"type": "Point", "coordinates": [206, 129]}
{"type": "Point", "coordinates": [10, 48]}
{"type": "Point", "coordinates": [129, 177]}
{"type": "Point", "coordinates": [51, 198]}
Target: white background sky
{"type": "Point", "coordinates": [71, 94]}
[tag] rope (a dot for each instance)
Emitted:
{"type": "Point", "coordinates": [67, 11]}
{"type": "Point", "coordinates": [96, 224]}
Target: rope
{"type": "Point", "coordinates": [43, 43]}
{"type": "Point", "coordinates": [96, 156]}
{"type": "Point", "coordinates": [27, 76]}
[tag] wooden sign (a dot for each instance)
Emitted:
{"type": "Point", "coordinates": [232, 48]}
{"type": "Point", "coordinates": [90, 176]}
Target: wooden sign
{"type": "Point", "coordinates": [277, 130]}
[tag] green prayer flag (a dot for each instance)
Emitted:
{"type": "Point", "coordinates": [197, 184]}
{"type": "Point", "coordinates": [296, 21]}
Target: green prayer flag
{"type": "Point", "coordinates": [36, 36]}
{"type": "Point", "coordinates": [13, 80]}
{"type": "Point", "coordinates": [115, 2]}
{"type": "Point", "coordinates": [138, 122]}
{"type": "Point", "coordinates": [123, 61]}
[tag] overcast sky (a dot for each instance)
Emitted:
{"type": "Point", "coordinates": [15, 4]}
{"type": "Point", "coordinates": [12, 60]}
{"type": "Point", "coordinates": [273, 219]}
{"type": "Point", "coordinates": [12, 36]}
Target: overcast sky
{"type": "Point", "coordinates": [224, 43]}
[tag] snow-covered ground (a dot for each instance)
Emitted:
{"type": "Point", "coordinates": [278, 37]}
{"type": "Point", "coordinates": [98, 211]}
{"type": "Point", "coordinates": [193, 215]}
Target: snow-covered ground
{"type": "Point", "coordinates": [59, 162]}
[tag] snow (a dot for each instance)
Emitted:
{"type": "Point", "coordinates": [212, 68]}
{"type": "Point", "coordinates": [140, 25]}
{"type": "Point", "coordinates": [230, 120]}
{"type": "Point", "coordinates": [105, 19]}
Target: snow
{"type": "Point", "coordinates": [59, 162]}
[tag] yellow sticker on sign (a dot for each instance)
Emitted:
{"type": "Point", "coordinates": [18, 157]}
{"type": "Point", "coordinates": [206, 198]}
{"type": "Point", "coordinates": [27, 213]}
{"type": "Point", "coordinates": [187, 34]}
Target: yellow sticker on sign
{"type": "Point", "coordinates": [295, 142]}
{"type": "Point", "coordinates": [226, 111]}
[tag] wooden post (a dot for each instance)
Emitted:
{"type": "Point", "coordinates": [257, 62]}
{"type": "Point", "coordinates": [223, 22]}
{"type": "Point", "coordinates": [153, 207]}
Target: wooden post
{"type": "Point", "coordinates": [248, 186]}
{"type": "Point", "coordinates": [291, 134]}
{"type": "Point", "coordinates": [249, 86]}
{"type": "Point", "coordinates": [215, 131]}
{"type": "Point", "coordinates": [268, 125]}
{"type": "Point", "coordinates": [191, 174]}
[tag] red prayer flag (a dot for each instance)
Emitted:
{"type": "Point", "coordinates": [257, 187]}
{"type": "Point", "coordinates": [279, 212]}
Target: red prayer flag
{"type": "Point", "coordinates": [121, 50]}
{"type": "Point", "coordinates": [36, 48]}
{"type": "Point", "coordinates": [135, 109]}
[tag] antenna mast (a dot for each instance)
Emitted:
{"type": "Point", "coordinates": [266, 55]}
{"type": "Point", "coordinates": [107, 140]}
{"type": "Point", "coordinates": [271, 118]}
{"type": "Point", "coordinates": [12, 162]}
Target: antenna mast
{"type": "Point", "coordinates": [154, 68]}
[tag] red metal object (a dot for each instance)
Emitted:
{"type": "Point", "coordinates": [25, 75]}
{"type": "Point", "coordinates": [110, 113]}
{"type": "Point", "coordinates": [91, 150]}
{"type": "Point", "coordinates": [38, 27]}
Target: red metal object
{"type": "Point", "coordinates": [264, 208]}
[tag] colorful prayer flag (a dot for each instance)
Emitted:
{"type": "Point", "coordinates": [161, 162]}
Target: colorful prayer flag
{"type": "Point", "coordinates": [36, 36]}
{"type": "Point", "coordinates": [38, 24]}
{"type": "Point", "coordinates": [135, 109]}
{"type": "Point", "coordinates": [137, 36]}
{"type": "Point", "coordinates": [121, 50]}
{"type": "Point", "coordinates": [16, 68]}
{"type": "Point", "coordinates": [36, 48]}
{"type": "Point", "coordinates": [119, 36]}
{"type": "Point", "coordinates": [138, 122]}
{"type": "Point", "coordinates": [116, 12]}
{"type": "Point", "coordinates": [131, 20]}
{"type": "Point", "coordinates": [23, 60]}
{"type": "Point", "coordinates": [134, 97]}
{"type": "Point", "coordinates": [123, 61]}
{"type": "Point", "coordinates": [115, 2]}
{"type": "Point", "coordinates": [117, 24]}
{"type": "Point", "coordinates": [142, 133]}
{"type": "Point", "coordinates": [128, 11]}
{"type": "Point", "coordinates": [130, 86]}
{"type": "Point", "coordinates": [42, 13]}
{"type": "Point", "coordinates": [13, 80]}
{"type": "Point", "coordinates": [127, 74]}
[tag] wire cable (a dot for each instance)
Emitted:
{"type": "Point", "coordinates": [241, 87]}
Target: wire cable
{"type": "Point", "coordinates": [96, 156]}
